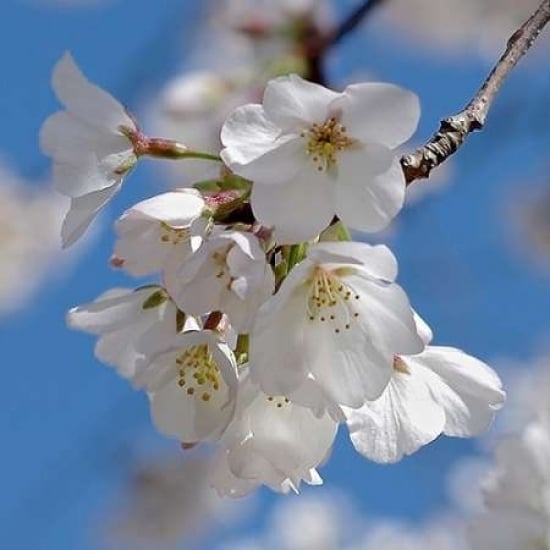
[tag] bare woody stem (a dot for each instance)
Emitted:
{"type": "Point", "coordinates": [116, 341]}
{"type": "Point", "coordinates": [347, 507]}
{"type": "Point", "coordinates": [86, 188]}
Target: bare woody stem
{"type": "Point", "coordinates": [454, 130]}
{"type": "Point", "coordinates": [318, 43]}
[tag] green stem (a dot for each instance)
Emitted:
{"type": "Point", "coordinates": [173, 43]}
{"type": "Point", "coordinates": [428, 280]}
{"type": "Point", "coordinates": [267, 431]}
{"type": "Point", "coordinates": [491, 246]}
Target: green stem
{"type": "Point", "coordinates": [169, 149]}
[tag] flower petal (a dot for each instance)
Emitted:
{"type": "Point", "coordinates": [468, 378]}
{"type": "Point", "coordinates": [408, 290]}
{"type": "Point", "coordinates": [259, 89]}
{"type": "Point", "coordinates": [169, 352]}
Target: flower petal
{"type": "Point", "coordinates": [348, 367]}
{"type": "Point", "coordinates": [294, 104]}
{"type": "Point", "coordinates": [364, 200]}
{"type": "Point", "coordinates": [86, 100]}
{"type": "Point", "coordinates": [378, 260]}
{"type": "Point", "coordinates": [255, 148]}
{"type": "Point", "coordinates": [386, 312]}
{"type": "Point", "coordinates": [82, 212]}
{"type": "Point", "coordinates": [298, 210]}
{"type": "Point", "coordinates": [468, 390]}
{"type": "Point", "coordinates": [84, 160]}
{"type": "Point", "coordinates": [399, 422]}
{"type": "Point", "coordinates": [379, 113]}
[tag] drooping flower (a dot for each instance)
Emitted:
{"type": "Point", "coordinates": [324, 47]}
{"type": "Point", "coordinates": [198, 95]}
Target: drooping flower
{"type": "Point", "coordinates": [441, 390]}
{"type": "Point", "coordinates": [131, 326]}
{"type": "Point", "coordinates": [338, 318]}
{"type": "Point", "coordinates": [192, 386]}
{"type": "Point", "coordinates": [155, 229]}
{"type": "Point", "coordinates": [313, 153]}
{"type": "Point", "coordinates": [228, 273]}
{"type": "Point", "coordinates": [89, 146]}
{"type": "Point", "coordinates": [271, 441]}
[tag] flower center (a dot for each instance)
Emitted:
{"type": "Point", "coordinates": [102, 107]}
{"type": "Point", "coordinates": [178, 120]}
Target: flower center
{"type": "Point", "coordinates": [173, 235]}
{"type": "Point", "coordinates": [330, 300]}
{"type": "Point", "coordinates": [325, 140]}
{"type": "Point", "coordinates": [278, 401]}
{"type": "Point", "coordinates": [198, 372]}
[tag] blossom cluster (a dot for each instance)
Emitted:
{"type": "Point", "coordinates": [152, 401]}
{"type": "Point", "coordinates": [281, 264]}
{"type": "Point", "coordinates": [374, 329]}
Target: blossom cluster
{"type": "Point", "coordinates": [267, 327]}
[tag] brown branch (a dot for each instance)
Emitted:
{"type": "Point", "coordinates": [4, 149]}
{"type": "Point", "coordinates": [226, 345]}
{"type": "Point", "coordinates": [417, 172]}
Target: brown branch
{"type": "Point", "coordinates": [454, 130]}
{"type": "Point", "coordinates": [351, 22]}
{"type": "Point", "coordinates": [318, 43]}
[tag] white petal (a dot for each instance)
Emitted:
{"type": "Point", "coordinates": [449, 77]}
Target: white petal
{"type": "Point", "coordinates": [255, 148]}
{"type": "Point", "coordinates": [377, 260]}
{"type": "Point", "coordinates": [225, 482]}
{"type": "Point", "coordinates": [379, 113]}
{"type": "Point", "coordinates": [469, 391]}
{"type": "Point", "coordinates": [298, 210]}
{"type": "Point", "coordinates": [176, 208]}
{"type": "Point", "coordinates": [85, 160]}
{"type": "Point", "coordinates": [129, 334]}
{"type": "Point", "coordinates": [404, 418]}
{"type": "Point", "coordinates": [86, 100]}
{"type": "Point", "coordinates": [347, 365]}
{"type": "Point", "coordinates": [278, 359]}
{"type": "Point", "coordinates": [187, 418]}
{"type": "Point", "coordinates": [82, 212]}
{"type": "Point", "coordinates": [293, 103]}
{"type": "Point", "coordinates": [424, 331]}
{"type": "Point", "coordinates": [367, 201]}
{"type": "Point", "coordinates": [386, 311]}
{"type": "Point", "coordinates": [109, 311]}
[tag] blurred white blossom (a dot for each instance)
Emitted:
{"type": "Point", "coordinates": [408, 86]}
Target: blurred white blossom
{"type": "Point", "coordinates": [484, 25]}
{"type": "Point", "coordinates": [30, 247]}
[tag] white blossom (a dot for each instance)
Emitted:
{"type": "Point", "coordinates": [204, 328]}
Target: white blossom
{"type": "Point", "coordinates": [313, 153]}
{"type": "Point", "coordinates": [228, 273]}
{"type": "Point", "coordinates": [192, 386]}
{"type": "Point", "coordinates": [131, 326]}
{"type": "Point", "coordinates": [89, 146]}
{"type": "Point", "coordinates": [158, 228]}
{"type": "Point", "coordinates": [338, 318]}
{"type": "Point", "coordinates": [271, 441]}
{"type": "Point", "coordinates": [441, 390]}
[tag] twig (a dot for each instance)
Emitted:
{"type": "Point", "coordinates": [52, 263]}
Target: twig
{"type": "Point", "coordinates": [319, 43]}
{"type": "Point", "coordinates": [351, 22]}
{"type": "Point", "coordinates": [454, 130]}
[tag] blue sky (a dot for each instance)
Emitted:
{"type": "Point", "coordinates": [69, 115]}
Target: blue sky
{"type": "Point", "coordinates": [67, 422]}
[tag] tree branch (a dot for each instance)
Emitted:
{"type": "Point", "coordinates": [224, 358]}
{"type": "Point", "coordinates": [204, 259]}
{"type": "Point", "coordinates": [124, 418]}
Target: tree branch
{"type": "Point", "coordinates": [318, 43]}
{"type": "Point", "coordinates": [350, 23]}
{"type": "Point", "coordinates": [454, 130]}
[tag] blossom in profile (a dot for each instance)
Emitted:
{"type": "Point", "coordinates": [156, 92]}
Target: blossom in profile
{"type": "Point", "coordinates": [154, 230]}
{"type": "Point", "coordinates": [130, 325]}
{"type": "Point", "coordinates": [89, 145]}
{"type": "Point", "coordinates": [271, 441]}
{"type": "Point", "coordinates": [338, 318]}
{"type": "Point", "coordinates": [313, 153]}
{"type": "Point", "coordinates": [441, 390]}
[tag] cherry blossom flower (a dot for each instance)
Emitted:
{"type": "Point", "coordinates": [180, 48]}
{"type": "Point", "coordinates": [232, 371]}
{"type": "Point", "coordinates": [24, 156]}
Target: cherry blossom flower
{"type": "Point", "coordinates": [131, 326]}
{"type": "Point", "coordinates": [153, 230]}
{"type": "Point", "coordinates": [338, 318]}
{"type": "Point", "coordinates": [441, 390]}
{"type": "Point", "coordinates": [192, 386]}
{"type": "Point", "coordinates": [228, 273]}
{"type": "Point", "coordinates": [89, 146]}
{"type": "Point", "coordinates": [271, 441]}
{"type": "Point", "coordinates": [313, 153]}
